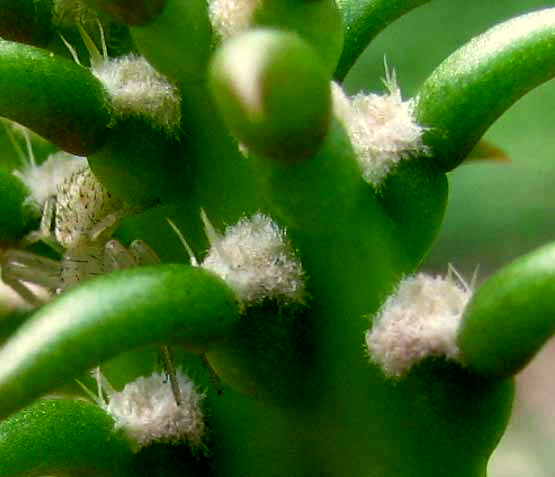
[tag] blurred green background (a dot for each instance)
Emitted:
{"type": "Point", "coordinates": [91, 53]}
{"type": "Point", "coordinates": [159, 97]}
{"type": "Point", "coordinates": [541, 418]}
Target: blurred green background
{"type": "Point", "coordinates": [497, 211]}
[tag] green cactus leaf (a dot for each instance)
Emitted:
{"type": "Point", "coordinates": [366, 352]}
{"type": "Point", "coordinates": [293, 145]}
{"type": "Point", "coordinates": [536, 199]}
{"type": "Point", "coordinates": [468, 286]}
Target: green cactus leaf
{"type": "Point", "coordinates": [362, 21]}
{"type": "Point", "coordinates": [115, 313]}
{"type": "Point", "coordinates": [511, 316]}
{"type": "Point", "coordinates": [62, 437]}
{"type": "Point", "coordinates": [481, 80]}
{"type": "Point", "coordinates": [53, 96]}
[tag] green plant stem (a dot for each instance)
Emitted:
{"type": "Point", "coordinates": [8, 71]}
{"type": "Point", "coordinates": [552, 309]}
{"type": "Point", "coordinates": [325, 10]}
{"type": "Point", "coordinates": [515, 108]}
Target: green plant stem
{"type": "Point", "coordinates": [150, 305]}
{"type": "Point", "coordinates": [362, 21]}
{"type": "Point", "coordinates": [316, 195]}
{"type": "Point", "coordinates": [142, 165]}
{"type": "Point", "coordinates": [511, 316]}
{"type": "Point", "coordinates": [53, 96]}
{"type": "Point", "coordinates": [415, 196]}
{"type": "Point", "coordinates": [481, 80]}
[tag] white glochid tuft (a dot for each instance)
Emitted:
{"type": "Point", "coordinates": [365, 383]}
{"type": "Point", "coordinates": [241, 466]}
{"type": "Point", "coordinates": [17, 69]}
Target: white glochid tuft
{"type": "Point", "coordinates": [44, 180]}
{"type": "Point", "coordinates": [420, 319]}
{"type": "Point", "coordinates": [137, 89]}
{"type": "Point", "coordinates": [257, 261]}
{"type": "Point", "coordinates": [381, 128]}
{"type": "Point", "coordinates": [145, 409]}
{"type": "Point", "coordinates": [229, 17]}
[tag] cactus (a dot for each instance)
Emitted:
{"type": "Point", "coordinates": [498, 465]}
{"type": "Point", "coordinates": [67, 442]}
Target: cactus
{"type": "Point", "coordinates": [228, 284]}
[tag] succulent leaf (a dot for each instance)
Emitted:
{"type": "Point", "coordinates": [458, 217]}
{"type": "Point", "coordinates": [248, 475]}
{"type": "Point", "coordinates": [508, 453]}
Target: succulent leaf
{"type": "Point", "coordinates": [465, 94]}
{"type": "Point", "coordinates": [362, 21]}
{"type": "Point", "coordinates": [53, 96]}
{"type": "Point", "coordinates": [115, 313]}
{"type": "Point", "coordinates": [511, 316]}
{"type": "Point", "coordinates": [62, 437]}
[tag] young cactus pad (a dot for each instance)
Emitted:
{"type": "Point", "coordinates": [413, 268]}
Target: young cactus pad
{"type": "Point", "coordinates": [279, 327]}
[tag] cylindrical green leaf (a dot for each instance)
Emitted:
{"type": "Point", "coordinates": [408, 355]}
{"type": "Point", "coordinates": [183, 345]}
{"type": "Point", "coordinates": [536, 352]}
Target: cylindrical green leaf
{"type": "Point", "coordinates": [362, 21]}
{"type": "Point", "coordinates": [53, 96]}
{"type": "Point", "coordinates": [273, 93]}
{"type": "Point", "coordinates": [62, 437]}
{"type": "Point", "coordinates": [477, 83]}
{"type": "Point", "coordinates": [511, 316]}
{"type": "Point", "coordinates": [110, 315]}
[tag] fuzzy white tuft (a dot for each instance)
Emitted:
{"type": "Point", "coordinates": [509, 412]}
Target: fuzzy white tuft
{"type": "Point", "coordinates": [229, 17]}
{"type": "Point", "coordinates": [146, 410]}
{"type": "Point", "coordinates": [44, 180]}
{"type": "Point", "coordinates": [137, 89]}
{"type": "Point", "coordinates": [257, 261]}
{"type": "Point", "coordinates": [381, 128]}
{"type": "Point", "coordinates": [419, 320]}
